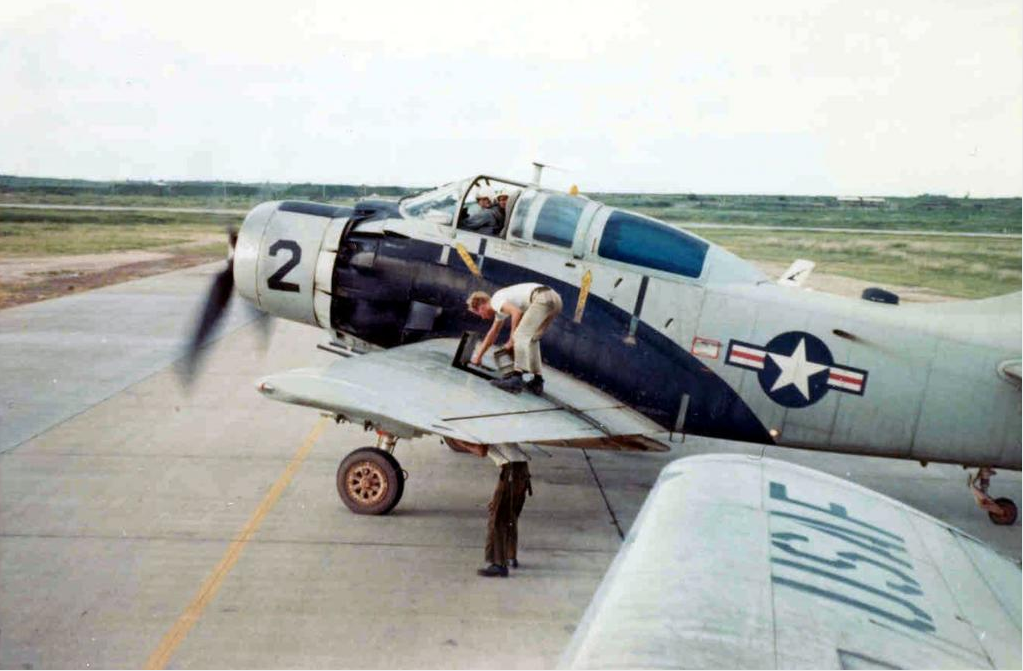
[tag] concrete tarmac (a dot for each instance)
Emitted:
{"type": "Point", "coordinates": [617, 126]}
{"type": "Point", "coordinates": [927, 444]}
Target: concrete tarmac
{"type": "Point", "coordinates": [64, 355]}
{"type": "Point", "coordinates": [146, 525]}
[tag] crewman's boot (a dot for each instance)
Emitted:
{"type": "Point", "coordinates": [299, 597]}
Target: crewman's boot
{"type": "Point", "coordinates": [536, 385]}
{"type": "Point", "coordinates": [513, 383]}
{"type": "Point", "coordinates": [493, 571]}
{"type": "Point", "coordinates": [514, 563]}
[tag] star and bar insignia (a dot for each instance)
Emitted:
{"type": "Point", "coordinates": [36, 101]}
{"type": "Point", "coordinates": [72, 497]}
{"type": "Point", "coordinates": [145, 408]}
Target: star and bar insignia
{"type": "Point", "coordinates": [796, 368]}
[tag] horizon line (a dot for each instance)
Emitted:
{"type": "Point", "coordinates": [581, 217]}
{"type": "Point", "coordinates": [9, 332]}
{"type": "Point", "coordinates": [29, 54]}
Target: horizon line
{"type": "Point", "coordinates": [966, 196]}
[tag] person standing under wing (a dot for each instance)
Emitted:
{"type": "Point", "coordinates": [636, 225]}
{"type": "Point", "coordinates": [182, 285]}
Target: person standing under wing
{"type": "Point", "coordinates": [503, 511]}
{"type": "Point", "coordinates": [502, 545]}
{"type": "Point", "coordinates": [532, 307]}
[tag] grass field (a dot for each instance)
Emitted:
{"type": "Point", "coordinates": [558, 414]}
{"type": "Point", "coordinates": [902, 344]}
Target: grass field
{"type": "Point", "coordinates": [66, 232]}
{"type": "Point", "coordinates": [965, 267]}
{"type": "Point", "coordinates": [197, 194]}
{"type": "Point", "coordinates": [952, 266]}
{"type": "Point", "coordinates": [926, 213]}
{"type": "Point", "coordinates": [119, 200]}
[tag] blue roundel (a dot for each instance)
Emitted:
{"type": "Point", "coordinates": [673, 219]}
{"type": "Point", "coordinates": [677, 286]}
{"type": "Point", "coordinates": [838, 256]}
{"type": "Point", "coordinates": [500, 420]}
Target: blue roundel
{"type": "Point", "coordinates": [796, 368]}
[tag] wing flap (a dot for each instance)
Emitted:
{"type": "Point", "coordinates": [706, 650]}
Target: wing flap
{"type": "Point", "coordinates": [413, 390]}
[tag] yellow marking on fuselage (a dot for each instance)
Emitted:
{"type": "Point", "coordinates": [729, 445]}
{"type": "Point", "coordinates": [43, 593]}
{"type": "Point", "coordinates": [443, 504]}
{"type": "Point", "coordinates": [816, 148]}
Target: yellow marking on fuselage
{"type": "Point", "coordinates": [584, 293]}
{"type": "Point", "coordinates": [173, 638]}
{"type": "Point", "coordinates": [464, 253]}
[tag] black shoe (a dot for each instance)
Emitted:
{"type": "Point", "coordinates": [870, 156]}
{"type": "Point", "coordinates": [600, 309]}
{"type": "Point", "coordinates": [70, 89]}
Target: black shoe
{"type": "Point", "coordinates": [512, 384]}
{"type": "Point", "coordinates": [493, 571]}
{"type": "Point", "coordinates": [514, 563]}
{"type": "Point", "coordinates": [535, 385]}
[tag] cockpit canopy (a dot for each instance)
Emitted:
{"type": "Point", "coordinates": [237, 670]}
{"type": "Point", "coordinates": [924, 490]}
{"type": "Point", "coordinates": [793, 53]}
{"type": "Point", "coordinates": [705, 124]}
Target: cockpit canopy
{"type": "Point", "coordinates": [584, 227]}
{"type": "Point", "coordinates": [438, 205]}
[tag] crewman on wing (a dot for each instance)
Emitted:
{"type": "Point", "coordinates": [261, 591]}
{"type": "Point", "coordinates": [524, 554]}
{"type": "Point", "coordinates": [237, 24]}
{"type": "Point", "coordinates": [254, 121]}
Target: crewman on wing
{"type": "Point", "coordinates": [532, 307]}
{"type": "Point", "coordinates": [490, 219]}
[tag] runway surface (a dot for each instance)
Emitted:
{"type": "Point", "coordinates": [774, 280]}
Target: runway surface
{"type": "Point", "coordinates": [142, 525]}
{"type": "Point", "coordinates": [65, 355]}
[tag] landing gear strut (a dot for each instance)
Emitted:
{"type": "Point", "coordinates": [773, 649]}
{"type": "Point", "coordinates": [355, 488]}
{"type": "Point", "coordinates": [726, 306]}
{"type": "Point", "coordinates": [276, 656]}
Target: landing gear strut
{"type": "Point", "coordinates": [370, 480]}
{"type": "Point", "coordinates": [1002, 511]}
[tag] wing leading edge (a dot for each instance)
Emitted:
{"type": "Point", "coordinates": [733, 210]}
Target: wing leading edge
{"type": "Point", "coordinates": [414, 390]}
{"type": "Point", "coordinates": [786, 567]}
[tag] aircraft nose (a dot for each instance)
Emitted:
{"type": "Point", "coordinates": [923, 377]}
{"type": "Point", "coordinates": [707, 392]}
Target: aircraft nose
{"type": "Point", "coordinates": [285, 257]}
{"type": "Point", "coordinates": [246, 250]}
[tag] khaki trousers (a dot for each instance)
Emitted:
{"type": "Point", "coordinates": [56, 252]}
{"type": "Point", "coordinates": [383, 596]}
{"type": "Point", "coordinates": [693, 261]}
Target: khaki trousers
{"type": "Point", "coordinates": [544, 306]}
{"type": "Point", "coordinates": [505, 507]}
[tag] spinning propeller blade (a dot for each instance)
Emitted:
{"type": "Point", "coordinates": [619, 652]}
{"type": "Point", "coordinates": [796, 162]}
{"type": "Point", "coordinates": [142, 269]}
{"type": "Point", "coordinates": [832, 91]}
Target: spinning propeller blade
{"type": "Point", "coordinates": [264, 325]}
{"type": "Point", "coordinates": [217, 300]}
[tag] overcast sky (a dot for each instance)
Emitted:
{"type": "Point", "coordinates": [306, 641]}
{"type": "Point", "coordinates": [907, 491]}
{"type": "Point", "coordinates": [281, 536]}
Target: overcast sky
{"type": "Point", "coordinates": [855, 97]}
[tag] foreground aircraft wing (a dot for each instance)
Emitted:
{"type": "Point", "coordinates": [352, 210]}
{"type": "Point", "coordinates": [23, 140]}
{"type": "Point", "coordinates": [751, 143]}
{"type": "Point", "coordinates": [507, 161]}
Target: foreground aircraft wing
{"type": "Point", "coordinates": [736, 562]}
{"type": "Point", "coordinates": [414, 390]}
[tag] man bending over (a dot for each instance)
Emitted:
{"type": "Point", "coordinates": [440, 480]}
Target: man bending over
{"type": "Point", "coordinates": [532, 307]}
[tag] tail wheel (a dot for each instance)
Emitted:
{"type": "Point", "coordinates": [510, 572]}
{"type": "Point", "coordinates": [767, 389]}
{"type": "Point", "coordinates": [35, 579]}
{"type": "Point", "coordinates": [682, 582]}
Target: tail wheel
{"type": "Point", "coordinates": [1009, 512]}
{"type": "Point", "coordinates": [370, 481]}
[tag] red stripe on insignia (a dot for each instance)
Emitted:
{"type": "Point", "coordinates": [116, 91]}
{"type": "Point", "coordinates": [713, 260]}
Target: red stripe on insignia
{"type": "Point", "coordinates": [846, 378]}
{"type": "Point", "coordinates": [742, 355]}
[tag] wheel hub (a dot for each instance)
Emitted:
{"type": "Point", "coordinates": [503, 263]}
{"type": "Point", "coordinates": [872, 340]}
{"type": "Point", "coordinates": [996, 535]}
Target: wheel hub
{"type": "Point", "coordinates": [366, 482]}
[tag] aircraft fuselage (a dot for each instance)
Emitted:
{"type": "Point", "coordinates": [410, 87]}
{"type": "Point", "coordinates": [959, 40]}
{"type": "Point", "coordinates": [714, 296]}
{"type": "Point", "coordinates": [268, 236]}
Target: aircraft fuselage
{"type": "Point", "coordinates": [724, 353]}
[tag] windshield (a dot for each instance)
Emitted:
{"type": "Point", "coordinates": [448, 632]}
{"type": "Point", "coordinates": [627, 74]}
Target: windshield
{"type": "Point", "coordinates": [440, 202]}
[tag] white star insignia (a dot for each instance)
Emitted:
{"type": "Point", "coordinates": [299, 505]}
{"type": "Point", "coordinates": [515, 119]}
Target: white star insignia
{"type": "Point", "coordinates": [795, 370]}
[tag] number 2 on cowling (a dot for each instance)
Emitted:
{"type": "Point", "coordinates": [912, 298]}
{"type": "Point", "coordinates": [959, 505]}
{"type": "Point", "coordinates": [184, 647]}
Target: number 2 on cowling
{"type": "Point", "coordinates": [276, 281]}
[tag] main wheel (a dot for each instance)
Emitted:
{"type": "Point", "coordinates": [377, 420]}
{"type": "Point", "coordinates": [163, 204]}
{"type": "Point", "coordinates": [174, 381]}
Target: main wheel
{"type": "Point", "coordinates": [1008, 515]}
{"type": "Point", "coordinates": [370, 481]}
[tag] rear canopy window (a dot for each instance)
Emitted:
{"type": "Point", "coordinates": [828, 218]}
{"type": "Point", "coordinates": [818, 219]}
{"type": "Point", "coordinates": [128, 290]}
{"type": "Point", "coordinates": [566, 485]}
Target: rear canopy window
{"type": "Point", "coordinates": [519, 213]}
{"type": "Point", "coordinates": [558, 219]}
{"type": "Point", "coordinates": [643, 242]}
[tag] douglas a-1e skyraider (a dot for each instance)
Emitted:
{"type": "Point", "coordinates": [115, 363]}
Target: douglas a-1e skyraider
{"type": "Point", "coordinates": [663, 334]}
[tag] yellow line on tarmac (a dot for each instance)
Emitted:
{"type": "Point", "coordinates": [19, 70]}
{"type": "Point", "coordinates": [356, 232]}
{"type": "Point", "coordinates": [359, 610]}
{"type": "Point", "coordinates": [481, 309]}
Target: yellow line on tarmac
{"type": "Point", "coordinates": [177, 633]}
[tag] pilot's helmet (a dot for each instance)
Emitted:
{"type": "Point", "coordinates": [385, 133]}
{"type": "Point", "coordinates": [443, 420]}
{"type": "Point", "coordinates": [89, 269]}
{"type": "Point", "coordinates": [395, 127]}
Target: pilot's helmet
{"type": "Point", "coordinates": [503, 193]}
{"type": "Point", "coordinates": [485, 192]}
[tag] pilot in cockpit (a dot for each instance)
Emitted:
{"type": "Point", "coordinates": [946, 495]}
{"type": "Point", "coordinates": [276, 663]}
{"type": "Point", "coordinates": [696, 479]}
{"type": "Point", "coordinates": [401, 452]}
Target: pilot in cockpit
{"type": "Point", "coordinates": [502, 203]}
{"type": "Point", "coordinates": [490, 218]}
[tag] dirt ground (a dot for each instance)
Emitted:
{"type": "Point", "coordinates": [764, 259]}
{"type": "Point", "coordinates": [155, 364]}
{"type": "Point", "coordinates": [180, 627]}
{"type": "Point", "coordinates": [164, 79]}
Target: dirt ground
{"type": "Point", "coordinates": [29, 279]}
{"type": "Point", "coordinates": [848, 286]}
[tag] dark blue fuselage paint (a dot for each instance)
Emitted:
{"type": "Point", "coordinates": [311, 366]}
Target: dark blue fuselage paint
{"type": "Point", "coordinates": [645, 370]}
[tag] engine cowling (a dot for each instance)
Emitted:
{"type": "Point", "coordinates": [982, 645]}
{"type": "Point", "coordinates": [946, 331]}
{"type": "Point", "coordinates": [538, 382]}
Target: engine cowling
{"type": "Point", "coordinates": [284, 258]}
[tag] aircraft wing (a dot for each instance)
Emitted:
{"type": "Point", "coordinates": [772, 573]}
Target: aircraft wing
{"type": "Point", "coordinates": [736, 562]}
{"type": "Point", "coordinates": [413, 390]}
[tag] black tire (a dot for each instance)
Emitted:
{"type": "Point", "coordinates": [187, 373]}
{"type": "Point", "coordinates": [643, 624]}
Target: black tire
{"type": "Point", "coordinates": [370, 481]}
{"type": "Point", "coordinates": [1009, 512]}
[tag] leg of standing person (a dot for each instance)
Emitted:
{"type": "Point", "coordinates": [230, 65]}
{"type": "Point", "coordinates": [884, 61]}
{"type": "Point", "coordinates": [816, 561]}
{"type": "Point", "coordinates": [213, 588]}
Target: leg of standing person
{"type": "Point", "coordinates": [526, 351]}
{"type": "Point", "coordinates": [499, 511]}
{"type": "Point", "coordinates": [545, 306]}
{"type": "Point", "coordinates": [520, 485]}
